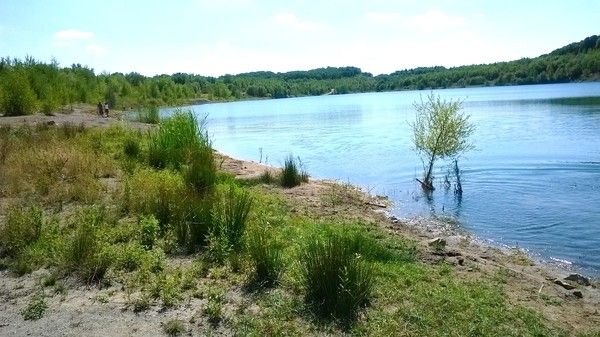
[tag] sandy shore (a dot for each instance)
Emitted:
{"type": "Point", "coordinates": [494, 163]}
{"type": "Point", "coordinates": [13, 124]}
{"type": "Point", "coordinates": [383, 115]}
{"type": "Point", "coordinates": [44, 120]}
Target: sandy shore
{"type": "Point", "coordinates": [528, 282]}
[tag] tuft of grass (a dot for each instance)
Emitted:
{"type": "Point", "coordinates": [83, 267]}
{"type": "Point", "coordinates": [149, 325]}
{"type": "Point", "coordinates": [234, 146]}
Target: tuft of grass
{"type": "Point", "coordinates": [35, 308]}
{"type": "Point", "coordinates": [22, 227]}
{"type": "Point", "coordinates": [131, 147]}
{"type": "Point", "coordinates": [230, 215]}
{"type": "Point", "coordinates": [293, 174]}
{"type": "Point", "coordinates": [85, 254]}
{"type": "Point", "coordinates": [214, 305]}
{"type": "Point", "coordinates": [178, 136]}
{"type": "Point", "coordinates": [265, 255]}
{"type": "Point", "coordinates": [174, 327]}
{"type": "Point", "coordinates": [201, 172]}
{"type": "Point", "coordinates": [336, 279]}
{"type": "Point", "coordinates": [149, 115]}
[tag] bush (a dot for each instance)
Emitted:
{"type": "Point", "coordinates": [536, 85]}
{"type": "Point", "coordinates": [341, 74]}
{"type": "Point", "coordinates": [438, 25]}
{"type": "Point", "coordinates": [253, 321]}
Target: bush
{"type": "Point", "coordinates": [292, 173]}
{"type": "Point", "coordinates": [174, 327]}
{"type": "Point", "coordinates": [18, 98]}
{"type": "Point", "coordinates": [22, 228]}
{"type": "Point", "coordinates": [35, 308]}
{"type": "Point", "coordinates": [265, 255]}
{"type": "Point", "coordinates": [336, 279]}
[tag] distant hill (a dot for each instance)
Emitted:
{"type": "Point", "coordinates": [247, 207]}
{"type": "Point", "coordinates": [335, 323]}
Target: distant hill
{"type": "Point", "coordinates": [30, 85]}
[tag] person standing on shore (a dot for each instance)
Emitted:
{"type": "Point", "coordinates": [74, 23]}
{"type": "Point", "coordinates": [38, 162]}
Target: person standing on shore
{"type": "Point", "coordinates": [106, 109]}
{"type": "Point", "coordinates": [100, 109]}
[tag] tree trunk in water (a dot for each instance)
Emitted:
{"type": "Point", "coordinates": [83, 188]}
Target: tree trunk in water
{"type": "Point", "coordinates": [427, 184]}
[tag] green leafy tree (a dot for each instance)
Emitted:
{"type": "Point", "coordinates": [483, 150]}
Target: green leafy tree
{"type": "Point", "coordinates": [17, 97]}
{"type": "Point", "coordinates": [440, 131]}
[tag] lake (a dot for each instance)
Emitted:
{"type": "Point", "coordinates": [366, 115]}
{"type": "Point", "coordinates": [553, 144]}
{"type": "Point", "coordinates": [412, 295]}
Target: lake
{"type": "Point", "coordinates": [532, 182]}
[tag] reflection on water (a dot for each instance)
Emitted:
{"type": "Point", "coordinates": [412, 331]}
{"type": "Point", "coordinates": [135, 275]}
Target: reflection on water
{"type": "Point", "coordinates": [532, 182]}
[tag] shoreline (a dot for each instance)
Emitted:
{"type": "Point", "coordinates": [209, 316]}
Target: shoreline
{"type": "Point", "coordinates": [322, 200]}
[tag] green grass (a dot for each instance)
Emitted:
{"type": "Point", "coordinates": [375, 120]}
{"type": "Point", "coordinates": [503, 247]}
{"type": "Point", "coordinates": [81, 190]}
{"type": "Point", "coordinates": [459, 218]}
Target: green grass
{"type": "Point", "coordinates": [174, 327]}
{"type": "Point", "coordinates": [266, 256]}
{"type": "Point", "coordinates": [337, 281]}
{"type": "Point", "coordinates": [230, 215]}
{"type": "Point", "coordinates": [293, 174]}
{"type": "Point", "coordinates": [149, 115]}
{"type": "Point", "coordinates": [22, 227]}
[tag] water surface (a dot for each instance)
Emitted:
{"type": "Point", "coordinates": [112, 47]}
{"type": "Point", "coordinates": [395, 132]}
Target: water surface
{"type": "Point", "coordinates": [533, 181]}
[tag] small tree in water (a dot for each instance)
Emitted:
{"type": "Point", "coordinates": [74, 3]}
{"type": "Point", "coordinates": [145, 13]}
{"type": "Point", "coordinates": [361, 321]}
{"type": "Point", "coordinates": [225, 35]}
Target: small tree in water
{"type": "Point", "coordinates": [440, 131]}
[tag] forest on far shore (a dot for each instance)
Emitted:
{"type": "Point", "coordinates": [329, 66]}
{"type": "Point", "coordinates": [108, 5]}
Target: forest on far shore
{"type": "Point", "coordinates": [28, 86]}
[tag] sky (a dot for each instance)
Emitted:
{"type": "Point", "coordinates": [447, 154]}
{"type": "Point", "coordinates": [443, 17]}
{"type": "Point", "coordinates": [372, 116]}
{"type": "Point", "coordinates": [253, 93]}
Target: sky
{"type": "Point", "coordinates": [212, 37]}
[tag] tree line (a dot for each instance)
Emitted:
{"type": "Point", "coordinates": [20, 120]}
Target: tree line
{"type": "Point", "coordinates": [29, 85]}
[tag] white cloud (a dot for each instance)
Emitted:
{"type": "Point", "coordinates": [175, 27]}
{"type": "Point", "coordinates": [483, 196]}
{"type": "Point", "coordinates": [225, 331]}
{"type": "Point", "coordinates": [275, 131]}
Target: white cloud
{"type": "Point", "coordinates": [291, 21]}
{"type": "Point", "coordinates": [382, 18]}
{"type": "Point", "coordinates": [95, 49]}
{"type": "Point", "coordinates": [67, 37]}
{"type": "Point", "coordinates": [435, 21]}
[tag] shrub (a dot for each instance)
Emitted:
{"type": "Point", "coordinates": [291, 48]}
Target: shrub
{"type": "Point", "coordinates": [18, 98]}
{"type": "Point", "coordinates": [22, 228]}
{"type": "Point", "coordinates": [336, 279]}
{"type": "Point", "coordinates": [292, 173]}
{"type": "Point", "coordinates": [265, 255]}
{"type": "Point", "coordinates": [230, 215]}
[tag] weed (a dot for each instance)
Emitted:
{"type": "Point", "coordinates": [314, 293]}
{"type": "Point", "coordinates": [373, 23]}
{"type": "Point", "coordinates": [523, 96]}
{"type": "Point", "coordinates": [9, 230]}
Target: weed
{"type": "Point", "coordinates": [336, 279]}
{"type": "Point", "coordinates": [35, 308]}
{"type": "Point", "coordinates": [149, 230]}
{"type": "Point", "coordinates": [267, 177]}
{"type": "Point", "coordinates": [174, 327]}
{"type": "Point", "coordinates": [49, 280]}
{"type": "Point", "coordinates": [214, 305]}
{"type": "Point", "coordinates": [292, 173]}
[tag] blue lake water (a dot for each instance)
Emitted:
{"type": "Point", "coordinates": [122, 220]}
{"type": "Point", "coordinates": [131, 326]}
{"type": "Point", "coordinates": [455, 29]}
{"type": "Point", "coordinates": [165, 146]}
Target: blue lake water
{"type": "Point", "coordinates": [533, 180]}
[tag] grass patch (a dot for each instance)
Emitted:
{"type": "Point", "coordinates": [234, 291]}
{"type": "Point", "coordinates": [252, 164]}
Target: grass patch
{"type": "Point", "coordinates": [230, 215]}
{"type": "Point", "coordinates": [174, 327]}
{"type": "Point", "coordinates": [265, 254]}
{"type": "Point", "coordinates": [336, 279]}
{"type": "Point", "coordinates": [22, 227]}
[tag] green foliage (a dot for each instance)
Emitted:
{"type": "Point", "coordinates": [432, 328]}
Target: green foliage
{"type": "Point", "coordinates": [266, 256]}
{"type": "Point", "coordinates": [336, 279]}
{"type": "Point", "coordinates": [292, 173]}
{"type": "Point", "coordinates": [440, 131]}
{"type": "Point", "coordinates": [17, 97]}
{"type": "Point", "coordinates": [22, 228]}
{"type": "Point", "coordinates": [35, 308]}
{"type": "Point", "coordinates": [149, 230]}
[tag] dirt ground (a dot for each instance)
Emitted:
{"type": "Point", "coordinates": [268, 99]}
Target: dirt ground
{"type": "Point", "coordinates": [82, 311]}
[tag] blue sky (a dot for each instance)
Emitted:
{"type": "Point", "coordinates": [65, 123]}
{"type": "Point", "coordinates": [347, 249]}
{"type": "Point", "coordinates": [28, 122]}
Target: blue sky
{"type": "Point", "coordinates": [212, 37]}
